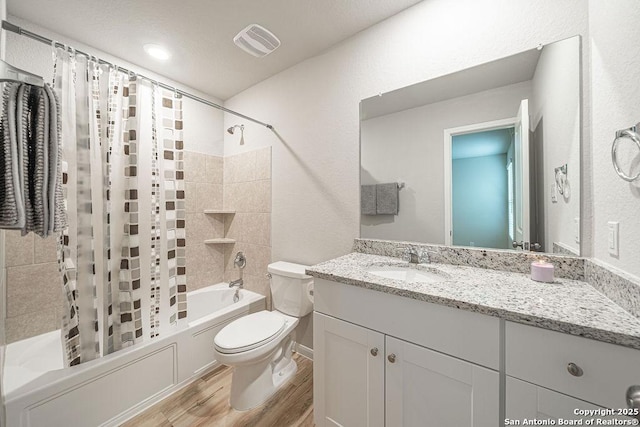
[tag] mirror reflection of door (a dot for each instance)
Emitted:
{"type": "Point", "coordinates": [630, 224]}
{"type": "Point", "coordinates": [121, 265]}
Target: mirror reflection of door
{"type": "Point", "coordinates": [521, 145]}
{"type": "Point", "coordinates": [489, 199]}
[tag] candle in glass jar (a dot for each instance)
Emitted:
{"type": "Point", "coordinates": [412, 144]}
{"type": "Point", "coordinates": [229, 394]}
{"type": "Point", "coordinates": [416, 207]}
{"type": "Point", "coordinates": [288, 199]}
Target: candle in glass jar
{"type": "Point", "coordinates": [542, 271]}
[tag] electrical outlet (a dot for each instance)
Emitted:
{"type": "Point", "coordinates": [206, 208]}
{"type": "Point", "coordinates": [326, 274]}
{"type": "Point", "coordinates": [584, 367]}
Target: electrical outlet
{"type": "Point", "coordinates": [613, 237]}
{"type": "Point", "coordinates": [576, 230]}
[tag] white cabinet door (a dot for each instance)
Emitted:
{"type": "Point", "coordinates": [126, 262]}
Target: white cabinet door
{"type": "Point", "coordinates": [429, 389]}
{"type": "Point", "coordinates": [531, 402]}
{"type": "Point", "coordinates": [348, 374]}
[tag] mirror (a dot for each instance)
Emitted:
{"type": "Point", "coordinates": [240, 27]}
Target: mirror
{"type": "Point", "coordinates": [488, 156]}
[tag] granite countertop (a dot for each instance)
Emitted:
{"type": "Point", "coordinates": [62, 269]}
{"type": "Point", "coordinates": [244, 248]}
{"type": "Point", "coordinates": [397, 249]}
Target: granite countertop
{"type": "Point", "coordinates": [568, 306]}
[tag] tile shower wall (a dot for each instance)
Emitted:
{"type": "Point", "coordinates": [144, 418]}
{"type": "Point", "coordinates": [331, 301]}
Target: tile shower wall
{"type": "Point", "coordinates": [203, 185]}
{"type": "Point", "coordinates": [33, 285]}
{"type": "Point", "coordinates": [247, 190]}
{"type": "Point", "coordinates": [34, 297]}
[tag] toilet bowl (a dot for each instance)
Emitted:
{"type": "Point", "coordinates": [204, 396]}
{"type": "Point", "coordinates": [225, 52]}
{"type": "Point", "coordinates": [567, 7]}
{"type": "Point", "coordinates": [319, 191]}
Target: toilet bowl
{"type": "Point", "coordinates": [259, 346]}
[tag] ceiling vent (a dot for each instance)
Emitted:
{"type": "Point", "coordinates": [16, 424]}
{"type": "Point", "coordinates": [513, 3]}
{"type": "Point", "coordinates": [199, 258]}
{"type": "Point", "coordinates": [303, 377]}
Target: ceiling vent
{"type": "Point", "coordinates": [256, 40]}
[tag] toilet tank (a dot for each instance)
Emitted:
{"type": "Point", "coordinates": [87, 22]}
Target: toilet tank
{"type": "Point", "coordinates": [291, 288]}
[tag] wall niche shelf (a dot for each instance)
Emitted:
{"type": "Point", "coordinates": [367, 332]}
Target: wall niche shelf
{"type": "Point", "coordinates": [219, 241]}
{"type": "Point", "coordinates": [218, 212]}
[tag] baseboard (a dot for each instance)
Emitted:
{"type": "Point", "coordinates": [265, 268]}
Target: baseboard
{"type": "Point", "coordinates": [304, 351]}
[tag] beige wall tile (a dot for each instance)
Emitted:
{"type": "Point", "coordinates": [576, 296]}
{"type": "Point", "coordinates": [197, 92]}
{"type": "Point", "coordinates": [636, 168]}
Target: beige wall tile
{"type": "Point", "coordinates": [258, 194]}
{"type": "Point", "coordinates": [195, 169]}
{"type": "Point", "coordinates": [205, 265]}
{"type": "Point", "coordinates": [215, 169]}
{"type": "Point", "coordinates": [256, 229]}
{"type": "Point", "coordinates": [200, 227]}
{"type": "Point", "coordinates": [19, 249]}
{"type": "Point", "coordinates": [258, 257]}
{"type": "Point", "coordinates": [32, 288]}
{"type": "Point", "coordinates": [229, 254]}
{"type": "Point", "coordinates": [190, 197]}
{"type": "Point", "coordinates": [45, 249]}
{"type": "Point", "coordinates": [263, 164]}
{"type": "Point", "coordinates": [259, 285]}
{"type": "Point", "coordinates": [230, 169]}
{"type": "Point", "coordinates": [234, 196]}
{"type": "Point", "coordinates": [31, 324]}
{"type": "Point", "coordinates": [240, 168]}
{"type": "Point", "coordinates": [233, 226]}
{"type": "Point", "coordinates": [208, 196]}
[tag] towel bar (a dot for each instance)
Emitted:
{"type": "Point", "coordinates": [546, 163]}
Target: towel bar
{"type": "Point", "coordinates": [632, 134]}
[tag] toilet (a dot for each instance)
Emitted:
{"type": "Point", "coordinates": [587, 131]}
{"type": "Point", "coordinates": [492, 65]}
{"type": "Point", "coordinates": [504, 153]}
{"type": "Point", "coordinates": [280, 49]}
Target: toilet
{"type": "Point", "coordinates": [259, 346]}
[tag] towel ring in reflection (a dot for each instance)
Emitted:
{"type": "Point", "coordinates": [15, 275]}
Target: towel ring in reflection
{"type": "Point", "coordinates": [561, 179]}
{"type": "Point", "coordinates": [632, 135]}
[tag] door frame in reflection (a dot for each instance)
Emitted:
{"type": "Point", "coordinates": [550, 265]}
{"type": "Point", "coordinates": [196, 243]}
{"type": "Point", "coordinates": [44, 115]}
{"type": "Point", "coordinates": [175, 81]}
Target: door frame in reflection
{"type": "Point", "coordinates": [449, 134]}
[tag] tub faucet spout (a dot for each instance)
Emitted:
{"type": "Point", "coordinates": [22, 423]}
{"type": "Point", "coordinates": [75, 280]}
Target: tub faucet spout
{"type": "Point", "coordinates": [236, 284]}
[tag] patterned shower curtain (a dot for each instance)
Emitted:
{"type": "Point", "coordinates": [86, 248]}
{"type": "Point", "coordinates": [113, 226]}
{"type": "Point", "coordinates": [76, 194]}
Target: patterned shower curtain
{"type": "Point", "coordinates": [123, 174]}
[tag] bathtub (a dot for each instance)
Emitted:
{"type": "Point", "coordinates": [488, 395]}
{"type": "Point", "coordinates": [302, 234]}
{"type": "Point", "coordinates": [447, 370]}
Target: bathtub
{"type": "Point", "coordinates": [108, 391]}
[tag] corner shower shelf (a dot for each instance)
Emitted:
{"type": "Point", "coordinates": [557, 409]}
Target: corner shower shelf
{"type": "Point", "coordinates": [220, 241]}
{"type": "Point", "coordinates": [218, 211]}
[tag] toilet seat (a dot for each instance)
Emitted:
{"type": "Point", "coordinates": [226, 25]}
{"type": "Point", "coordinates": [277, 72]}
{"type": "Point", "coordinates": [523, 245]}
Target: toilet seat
{"type": "Point", "coordinates": [249, 332]}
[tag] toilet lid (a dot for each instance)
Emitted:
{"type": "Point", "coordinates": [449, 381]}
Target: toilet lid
{"type": "Point", "coordinates": [249, 332]}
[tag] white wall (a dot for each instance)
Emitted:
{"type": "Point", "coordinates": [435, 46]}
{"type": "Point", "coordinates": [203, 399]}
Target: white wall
{"type": "Point", "coordinates": [615, 54]}
{"type": "Point", "coordinates": [314, 104]}
{"type": "Point", "coordinates": [203, 125]}
{"type": "Point", "coordinates": [409, 146]}
{"type": "Point", "coordinates": [555, 116]}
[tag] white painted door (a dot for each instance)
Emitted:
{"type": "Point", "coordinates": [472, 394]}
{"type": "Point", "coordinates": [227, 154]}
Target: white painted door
{"type": "Point", "coordinates": [531, 402]}
{"type": "Point", "coordinates": [429, 389]}
{"type": "Point", "coordinates": [521, 146]}
{"type": "Point", "coordinates": [348, 374]}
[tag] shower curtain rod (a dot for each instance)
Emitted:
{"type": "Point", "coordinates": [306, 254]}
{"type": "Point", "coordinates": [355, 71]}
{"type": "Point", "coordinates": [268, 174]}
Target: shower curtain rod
{"type": "Point", "coordinates": [8, 26]}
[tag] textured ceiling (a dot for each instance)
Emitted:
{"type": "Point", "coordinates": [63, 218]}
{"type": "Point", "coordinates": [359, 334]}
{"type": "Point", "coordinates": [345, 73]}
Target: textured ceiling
{"type": "Point", "coordinates": [199, 33]}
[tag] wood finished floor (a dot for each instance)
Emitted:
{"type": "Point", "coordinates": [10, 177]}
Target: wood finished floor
{"type": "Point", "coordinates": [206, 403]}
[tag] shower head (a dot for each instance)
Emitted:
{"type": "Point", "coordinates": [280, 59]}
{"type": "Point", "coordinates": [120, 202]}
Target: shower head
{"type": "Point", "coordinates": [233, 128]}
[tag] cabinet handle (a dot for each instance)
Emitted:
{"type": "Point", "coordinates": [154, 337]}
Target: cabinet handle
{"type": "Point", "coordinates": [374, 351]}
{"type": "Point", "coordinates": [575, 370]}
{"type": "Point", "coordinates": [633, 398]}
{"type": "Point", "coordinates": [392, 358]}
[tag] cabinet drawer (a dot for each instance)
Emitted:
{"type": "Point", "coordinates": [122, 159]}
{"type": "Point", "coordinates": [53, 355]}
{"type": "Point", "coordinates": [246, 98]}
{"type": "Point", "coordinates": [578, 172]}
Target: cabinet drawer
{"type": "Point", "coordinates": [469, 336]}
{"type": "Point", "coordinates": [542, 357]}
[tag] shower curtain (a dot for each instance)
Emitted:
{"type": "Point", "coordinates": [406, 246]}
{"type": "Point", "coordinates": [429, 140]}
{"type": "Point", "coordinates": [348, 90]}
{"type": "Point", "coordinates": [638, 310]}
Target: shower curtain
{"type": "Point", "coordinates": [122, 258]}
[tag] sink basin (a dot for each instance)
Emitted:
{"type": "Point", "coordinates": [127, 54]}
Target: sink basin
{"type": "Point", "coordinates": [406, 274]}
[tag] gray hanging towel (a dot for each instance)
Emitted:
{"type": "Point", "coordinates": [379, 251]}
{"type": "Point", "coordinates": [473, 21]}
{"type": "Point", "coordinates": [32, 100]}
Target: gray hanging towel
{"type": "Point", "coordinates": [57, 213]}
{"type": "Point", "coordinates": [368, 200]}
{"type": "Point", "coordinates": [387, 199]}
{"type": "Point", "coordinates": [12, 215]}
{"type": "Point", "coordinates": [30, 161]}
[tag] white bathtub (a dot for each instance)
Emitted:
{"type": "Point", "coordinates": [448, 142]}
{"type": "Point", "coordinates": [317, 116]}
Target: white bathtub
{"type": "Point", "coordinates": [110, 390]}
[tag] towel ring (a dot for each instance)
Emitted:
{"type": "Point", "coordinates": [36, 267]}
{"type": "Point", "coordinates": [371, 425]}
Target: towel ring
{"type": "Point", "coordinates": [635, 137]}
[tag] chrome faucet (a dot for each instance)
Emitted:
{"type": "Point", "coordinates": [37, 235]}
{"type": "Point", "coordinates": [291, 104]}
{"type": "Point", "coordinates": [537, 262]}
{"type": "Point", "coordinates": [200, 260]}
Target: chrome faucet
{"type": "Point", "coordinates": [414, 258]}
{"type": "Point", "coordinates": [418, 256]}
{"type": "Point", "coordinates": [240, 260]}
{"type": "Point", "coordinates": [236, 283]}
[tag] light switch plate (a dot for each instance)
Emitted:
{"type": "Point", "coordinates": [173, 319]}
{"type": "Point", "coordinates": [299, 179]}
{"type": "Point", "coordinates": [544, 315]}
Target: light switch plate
{"type": "Point", "coordinates": [554, 193]}
{"type": "Point", "coordinates": [613, 236]}
{"type": "Point", "coordinates": [576, 230]}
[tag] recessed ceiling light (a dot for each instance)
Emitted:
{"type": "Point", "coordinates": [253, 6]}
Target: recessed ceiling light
{"type": "Point", "coordinates": [157, 51]}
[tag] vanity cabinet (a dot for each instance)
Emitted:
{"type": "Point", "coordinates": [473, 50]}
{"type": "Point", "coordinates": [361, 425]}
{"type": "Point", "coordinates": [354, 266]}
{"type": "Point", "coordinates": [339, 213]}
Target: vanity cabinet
{"type": "Point", "coordinates": [584, 369]}
{"type": "Point", "coordinates": [348, 374]}
{"type": "Point", "coordinates": [429, 389]}
{"type": "Point", "coordinates": [532, 402]}
{"type": "Point", "coordinates": [385, 360]}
